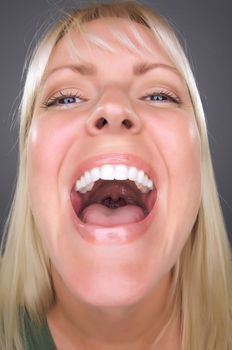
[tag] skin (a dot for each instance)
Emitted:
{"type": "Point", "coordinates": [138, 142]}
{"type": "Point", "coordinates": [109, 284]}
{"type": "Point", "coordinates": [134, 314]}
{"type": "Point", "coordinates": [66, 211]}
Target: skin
{"type": "Point", "coordinates": [113, 297]}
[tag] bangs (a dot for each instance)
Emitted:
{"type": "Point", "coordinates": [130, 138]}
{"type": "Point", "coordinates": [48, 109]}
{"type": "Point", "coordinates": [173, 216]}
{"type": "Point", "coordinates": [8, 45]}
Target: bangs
{"type": "Point", "coordinates": [131, 41]}
{"type": "Point", "coordinates": [132, 13]}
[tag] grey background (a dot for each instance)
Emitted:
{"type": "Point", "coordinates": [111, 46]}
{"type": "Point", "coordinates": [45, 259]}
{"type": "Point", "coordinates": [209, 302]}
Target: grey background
{"type": "Point", "coordinates": [205, 30]}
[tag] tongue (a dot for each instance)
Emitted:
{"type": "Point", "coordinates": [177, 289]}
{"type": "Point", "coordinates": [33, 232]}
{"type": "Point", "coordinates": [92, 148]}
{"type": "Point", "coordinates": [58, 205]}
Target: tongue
{"type": "Point", "coordinates": [98, 214]}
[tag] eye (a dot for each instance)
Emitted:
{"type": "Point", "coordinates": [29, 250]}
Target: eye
{"type": "Point", "coordinates": [162, 97]}
{"type": "Point", "coordinates": [64, 100]}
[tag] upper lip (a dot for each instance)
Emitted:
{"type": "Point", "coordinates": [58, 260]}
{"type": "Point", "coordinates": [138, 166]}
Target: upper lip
{"type": "Point", "coordinates": [114, 158]}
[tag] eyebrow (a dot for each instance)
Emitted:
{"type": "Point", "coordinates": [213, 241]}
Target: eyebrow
{"type": "Point", "coordinates": [88, 69]}
{"type": "Point", "coordinates": [83, 69]}
{"type": "Point", "coordinates": [144, 67]}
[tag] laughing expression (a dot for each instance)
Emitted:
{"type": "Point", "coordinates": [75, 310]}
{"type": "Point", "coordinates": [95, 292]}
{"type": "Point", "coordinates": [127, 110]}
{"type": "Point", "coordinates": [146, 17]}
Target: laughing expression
{"type": "Point", "coordinates": [113, 165]}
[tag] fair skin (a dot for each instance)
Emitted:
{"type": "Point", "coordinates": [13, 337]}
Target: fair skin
{"type": "Point", "coordinates": [113, 295]}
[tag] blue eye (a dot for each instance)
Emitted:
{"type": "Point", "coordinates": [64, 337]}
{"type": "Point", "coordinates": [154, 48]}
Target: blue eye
{"type": "Point", "coordinates": [68, 100]}
{"type": "Point", "coordinates": [158, 98]}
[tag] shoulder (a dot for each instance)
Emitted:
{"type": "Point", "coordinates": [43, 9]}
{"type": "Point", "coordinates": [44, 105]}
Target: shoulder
{"type": "Point", "coordinates": [36, 334]}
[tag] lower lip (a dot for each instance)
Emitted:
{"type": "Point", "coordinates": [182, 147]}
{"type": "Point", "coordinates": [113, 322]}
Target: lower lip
{"type": "Point", "coordinates": [115, 235]}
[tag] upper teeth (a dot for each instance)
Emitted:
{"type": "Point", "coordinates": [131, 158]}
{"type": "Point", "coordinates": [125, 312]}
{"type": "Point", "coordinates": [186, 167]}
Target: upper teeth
{"type": "Point", "coordinates": [114, 172]}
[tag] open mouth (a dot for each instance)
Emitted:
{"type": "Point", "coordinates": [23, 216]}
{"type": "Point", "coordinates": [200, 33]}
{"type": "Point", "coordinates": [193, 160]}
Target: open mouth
{"type": "Point", "coordinates": [113, 195]}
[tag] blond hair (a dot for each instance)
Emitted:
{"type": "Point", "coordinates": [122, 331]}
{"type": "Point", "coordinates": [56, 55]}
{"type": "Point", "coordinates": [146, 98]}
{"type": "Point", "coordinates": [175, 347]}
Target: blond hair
{"type": "Point", "coordinates": [202, 280]}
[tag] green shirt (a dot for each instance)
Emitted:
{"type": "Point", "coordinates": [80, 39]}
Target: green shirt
{"type": "Point", "coordinates": [37, 336]}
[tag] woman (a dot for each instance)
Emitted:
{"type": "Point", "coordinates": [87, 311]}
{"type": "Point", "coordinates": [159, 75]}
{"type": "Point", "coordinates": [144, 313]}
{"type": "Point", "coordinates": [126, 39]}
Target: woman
{"type": "Point", "coordinates": [116, 238]}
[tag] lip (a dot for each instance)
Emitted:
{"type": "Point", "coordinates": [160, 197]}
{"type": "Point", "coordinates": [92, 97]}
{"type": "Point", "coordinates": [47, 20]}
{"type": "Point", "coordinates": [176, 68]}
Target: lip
{"type": "Point", "coordinates": [120, 234]}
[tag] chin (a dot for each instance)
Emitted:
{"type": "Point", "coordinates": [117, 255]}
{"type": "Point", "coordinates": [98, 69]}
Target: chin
{"type": "Point", "coordinates": [115, 275]}
{"type": "Point", "coordinates": [107, 285]}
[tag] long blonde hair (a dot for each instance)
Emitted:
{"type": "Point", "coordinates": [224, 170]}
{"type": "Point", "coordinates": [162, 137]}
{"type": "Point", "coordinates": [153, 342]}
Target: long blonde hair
{"type": "Point", "coordinates": [202, 280]}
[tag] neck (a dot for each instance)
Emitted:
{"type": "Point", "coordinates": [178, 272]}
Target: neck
{"type": "Point", "coordinates": [77, 325]}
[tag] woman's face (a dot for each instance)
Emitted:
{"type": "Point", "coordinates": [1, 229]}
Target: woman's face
{"type": "Point", "coordinates": [103, 114]}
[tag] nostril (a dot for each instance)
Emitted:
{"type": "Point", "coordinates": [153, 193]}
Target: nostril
{"type": "Point", "coordinates": [127, 123]}
{"type": "Point", "coordinates": [100, 123]}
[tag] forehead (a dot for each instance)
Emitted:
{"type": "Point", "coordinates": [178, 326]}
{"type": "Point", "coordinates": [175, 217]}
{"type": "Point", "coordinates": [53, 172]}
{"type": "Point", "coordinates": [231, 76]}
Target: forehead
{"type": "Point", "coordinates": [108, 36]}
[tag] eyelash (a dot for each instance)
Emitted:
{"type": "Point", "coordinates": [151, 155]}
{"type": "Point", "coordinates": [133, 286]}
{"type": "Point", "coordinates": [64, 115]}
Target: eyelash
{"type": "Point", "coordinates": [164, 93]}
{"type": "Point", "coordinates": [54, 101]}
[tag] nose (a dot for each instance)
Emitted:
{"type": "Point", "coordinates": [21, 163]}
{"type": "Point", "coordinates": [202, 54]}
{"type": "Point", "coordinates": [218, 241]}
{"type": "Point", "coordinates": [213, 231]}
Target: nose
{"type": "Point", "coordinates": [113, 114]}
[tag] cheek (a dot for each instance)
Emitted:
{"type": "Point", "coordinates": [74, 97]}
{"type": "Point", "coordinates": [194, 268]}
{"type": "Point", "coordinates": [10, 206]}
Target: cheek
{"type": "Point", "coordinates": [50, 138]}
{"type": "Point", "coordinates": [49, 141]}
{"type": "Point", "coordinates": [183, 161]}
{"type": "Point", "coordinates": [181, 151]}
{"type": "Point", "coordinates": [46, 145]}
{"type": "Point", "coordinates": [176, 137]}
{"type": "Point", "coordinates": [177, 142]}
